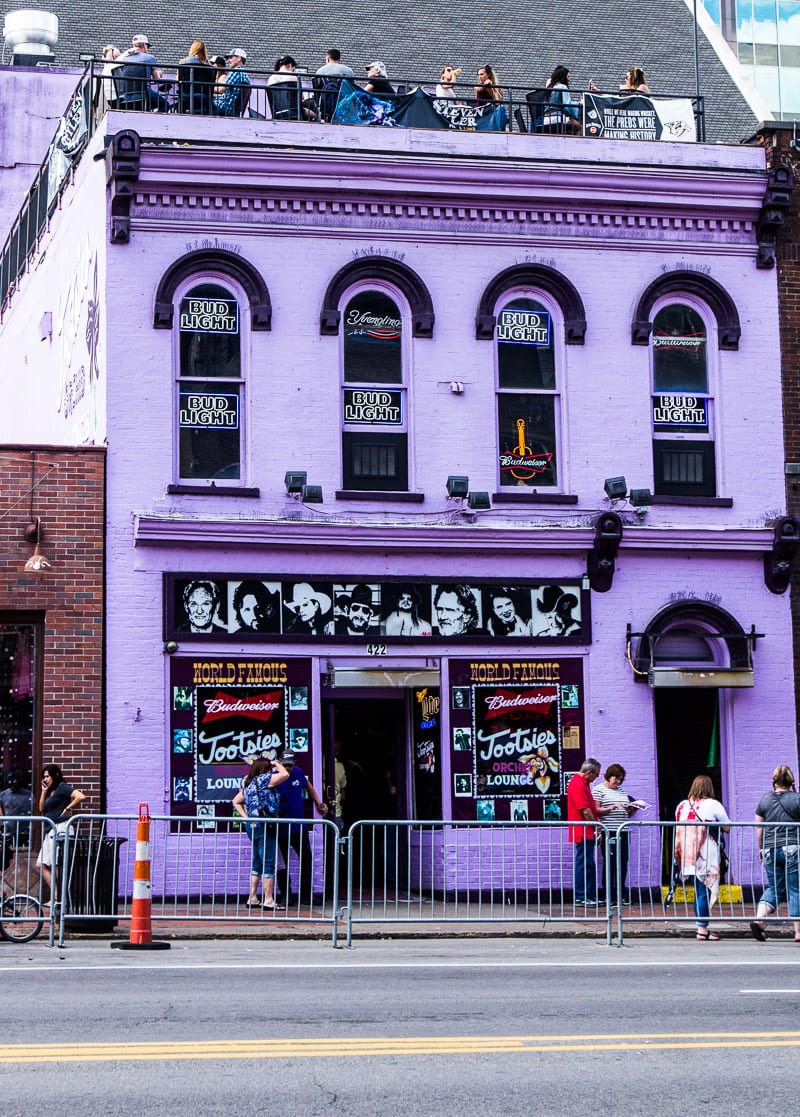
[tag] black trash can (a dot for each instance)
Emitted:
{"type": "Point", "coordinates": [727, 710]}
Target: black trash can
{"type": "Point", "coordinates": [91, 876]}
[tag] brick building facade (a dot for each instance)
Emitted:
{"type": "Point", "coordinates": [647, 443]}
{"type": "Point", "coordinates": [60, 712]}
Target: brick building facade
{"type": "Point", "coordinates": [308, 346]}
{"type": "Point", "coordinates": [51, 622]}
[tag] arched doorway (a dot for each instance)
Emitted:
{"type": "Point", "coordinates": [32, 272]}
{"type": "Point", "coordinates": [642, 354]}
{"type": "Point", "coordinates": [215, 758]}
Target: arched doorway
{"type": "Point", "coordinates": [691, 654]}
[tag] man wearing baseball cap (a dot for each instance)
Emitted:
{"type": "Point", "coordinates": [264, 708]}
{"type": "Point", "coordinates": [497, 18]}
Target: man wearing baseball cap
{"type": "Point", "coordinates": [133, 77]}
{"type": "Point", "coordinates": [295, 835]}
{"type": "Point", "coordinates": [234, 100]}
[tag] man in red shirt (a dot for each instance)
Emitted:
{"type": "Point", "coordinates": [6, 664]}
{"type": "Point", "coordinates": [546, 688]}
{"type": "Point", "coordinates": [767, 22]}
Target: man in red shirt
{"type": "Point", "coordinates": [581, 808]}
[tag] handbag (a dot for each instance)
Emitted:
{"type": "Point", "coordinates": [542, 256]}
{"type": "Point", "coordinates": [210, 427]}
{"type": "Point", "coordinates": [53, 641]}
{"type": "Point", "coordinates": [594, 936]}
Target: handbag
{"type": "Point", "coordinates": [269, 800]}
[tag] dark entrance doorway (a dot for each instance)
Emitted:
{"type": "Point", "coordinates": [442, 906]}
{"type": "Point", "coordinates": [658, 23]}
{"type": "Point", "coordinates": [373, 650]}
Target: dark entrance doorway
{"type": "Point", "coordinates": [368, 734]}
{"type": "Point", "coordinates": [687, 737]}
{"type": "Point", "coordinates": [372, 745]}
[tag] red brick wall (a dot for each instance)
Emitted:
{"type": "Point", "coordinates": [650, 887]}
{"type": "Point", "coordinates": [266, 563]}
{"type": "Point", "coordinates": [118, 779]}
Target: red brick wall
{"type": "Point", "coordinates": [69, 496]}
{"type": "Point", "coordinates": [779, 153]}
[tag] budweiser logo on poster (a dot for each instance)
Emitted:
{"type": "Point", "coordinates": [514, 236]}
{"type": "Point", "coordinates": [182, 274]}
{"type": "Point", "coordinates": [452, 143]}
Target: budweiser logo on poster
{"type": "Point", "coordinates": [517, 740]}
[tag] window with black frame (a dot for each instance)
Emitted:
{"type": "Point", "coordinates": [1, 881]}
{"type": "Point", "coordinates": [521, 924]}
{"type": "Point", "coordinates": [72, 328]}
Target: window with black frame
{"type": "Point", "coordinates": [527, 395]}
{"type": "Point", "coordinates": [374, 399]}
{"type": "Point", "coordinates": [210, 385]}
{"type": "Point", "coordinates": [682, 404]}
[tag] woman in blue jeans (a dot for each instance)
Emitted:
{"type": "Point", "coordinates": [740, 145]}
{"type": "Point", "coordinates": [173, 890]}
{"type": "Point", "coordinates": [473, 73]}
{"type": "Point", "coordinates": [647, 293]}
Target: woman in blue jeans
{"type": "Point", "coordinates": [697, 848]}
{"type": "Point", "coordinates": [264, 775]}
{"type": "Point", "coordinates": [778, 848]}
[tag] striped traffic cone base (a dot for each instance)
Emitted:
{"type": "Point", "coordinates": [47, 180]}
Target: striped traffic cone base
{"type": "Point", "coordinates": [141, 933]}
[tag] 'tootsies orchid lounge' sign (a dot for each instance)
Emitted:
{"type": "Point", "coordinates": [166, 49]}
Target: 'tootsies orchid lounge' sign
{"type": "Point", "coordinates": [225, 713]}
{"type": "Point", "coordinates": [513, 723]}
{"type": "Point", "coordinates": [517, 736]}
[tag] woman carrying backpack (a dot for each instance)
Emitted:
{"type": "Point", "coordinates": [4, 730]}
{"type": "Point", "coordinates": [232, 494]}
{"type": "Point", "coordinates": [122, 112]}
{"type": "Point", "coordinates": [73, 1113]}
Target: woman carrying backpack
{"type": "Point", "coordinates": [697, 848]}
{"type": "Point", "coordinates": [257, 801]}
{"type": "Point", "coordinates": [778, 848]}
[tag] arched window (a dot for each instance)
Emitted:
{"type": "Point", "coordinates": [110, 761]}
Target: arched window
{"type": "Point", "coordinates": [210, 382]}
{"type": "Point", "coordinates": [374, 391]}
{"type": "Point", "coordinates": [683, 403]}
{"type": "Point", "coordinates": [528, 398]}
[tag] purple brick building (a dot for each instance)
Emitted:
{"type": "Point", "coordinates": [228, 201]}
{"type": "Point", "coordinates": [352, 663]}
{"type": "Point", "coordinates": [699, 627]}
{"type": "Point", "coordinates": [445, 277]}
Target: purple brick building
{"type": "Point", "coordinates": [462, 449]}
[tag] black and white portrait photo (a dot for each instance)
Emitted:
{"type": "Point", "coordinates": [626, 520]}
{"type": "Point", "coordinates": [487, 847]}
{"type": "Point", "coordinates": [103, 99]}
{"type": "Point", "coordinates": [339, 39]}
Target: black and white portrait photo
{"type": "Point", "coordinates": [357, 609]}
{"type": "Point", "coordinates": [406, 611]}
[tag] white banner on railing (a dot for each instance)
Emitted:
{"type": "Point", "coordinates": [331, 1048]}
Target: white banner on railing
{"type": "Point", "coordinates": [639, 118]}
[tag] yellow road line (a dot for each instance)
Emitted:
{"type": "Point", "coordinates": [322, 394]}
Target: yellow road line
{"type": "Point", "coordinates": [371, 1046]}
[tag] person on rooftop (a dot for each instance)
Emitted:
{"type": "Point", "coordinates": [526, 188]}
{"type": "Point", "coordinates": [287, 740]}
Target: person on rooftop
{"type": "Point", "coordinates": [233, 100]}
{"type": "Point", "coordinates": [634, 81]}
{"type": "Point", "coordinates": [196, 78]}
{"type": "Point", "coordinates": [286, 103]}
{"type": "Point", "coordinates": [138, 67]}
{"type": "Point", "coordinates": [447, 81]}
{"type": "Point", "coordinates": [377, 79]}
{"type": "Point", "coordinates": [561, 115]}
{"type": "Point", "coordinates": [334, 67]}
{"type": "Point", "coordinates": [328, 81]}
{"type": "Point", "coordinates": [487, 88]}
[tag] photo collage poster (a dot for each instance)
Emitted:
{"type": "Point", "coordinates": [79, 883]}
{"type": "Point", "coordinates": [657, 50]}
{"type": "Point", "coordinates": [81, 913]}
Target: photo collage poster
{"type": "Point", "coordinates": [517, 734]}
{"type": "Point", "coordinates": [224, 713]}
{"type": "Point", "coordinates": [245, 609]}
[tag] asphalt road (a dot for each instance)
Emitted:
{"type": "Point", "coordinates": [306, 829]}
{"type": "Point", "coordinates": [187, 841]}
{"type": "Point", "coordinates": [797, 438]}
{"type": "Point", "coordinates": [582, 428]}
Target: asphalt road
{"type": "Point", "coordinates": [407, 1027]}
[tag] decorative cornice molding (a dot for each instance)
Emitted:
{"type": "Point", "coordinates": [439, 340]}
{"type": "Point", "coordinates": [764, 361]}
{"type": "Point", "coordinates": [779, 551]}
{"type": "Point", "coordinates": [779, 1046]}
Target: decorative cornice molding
{"type": "Point", "coordinates": [564, 218]}
{"type": "Point", "coordinates": [777, 202]}
{"type": "Point", "coordinates": [123, 163]}
{"type": "Point", "coordinates": [168, 530]}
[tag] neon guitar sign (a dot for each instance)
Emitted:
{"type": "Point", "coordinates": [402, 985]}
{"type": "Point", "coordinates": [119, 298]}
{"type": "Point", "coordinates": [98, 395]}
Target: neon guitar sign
{"type": "Point", "coordinates": [521, 462]}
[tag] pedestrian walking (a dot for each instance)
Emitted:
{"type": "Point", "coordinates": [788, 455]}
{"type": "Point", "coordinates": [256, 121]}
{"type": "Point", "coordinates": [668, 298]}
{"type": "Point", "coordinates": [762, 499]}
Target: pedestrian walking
{"type": "Point", "coordinates": [698, 848]}
{"type": "Point", "coordinates": [778, 848]}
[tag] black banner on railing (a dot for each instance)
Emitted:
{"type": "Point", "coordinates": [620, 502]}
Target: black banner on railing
{"type": "Point", "coordinates": [69, 140]}
{"type": "Point", "coordinates": [639, 118]}
{"type": "Point", "coordinates": [417, 109]}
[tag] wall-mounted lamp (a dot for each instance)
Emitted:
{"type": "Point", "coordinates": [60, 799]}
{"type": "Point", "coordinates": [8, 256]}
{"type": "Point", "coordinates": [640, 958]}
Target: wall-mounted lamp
{"type": "Point", "coordinates": [616, 488]}
{"type": "Point", "coordinates": [640, 499]}
{"type": "Point", "coordinates": [479, 501]}
{"type": "Point", "coordinates": [170, 647]}
{"type": "Point", "coordinates": [457, 387]}
{"type": "Point", "coordinates": [457, 486]}
{"type": "Point", "coordinates": [37, 562]}
{"type": "Point", "coordinates": [294, 480]}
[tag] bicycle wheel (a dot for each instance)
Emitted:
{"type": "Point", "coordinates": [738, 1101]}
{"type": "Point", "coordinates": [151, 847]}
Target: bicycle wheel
{"type": "Point", "coordinates": [21, 919]}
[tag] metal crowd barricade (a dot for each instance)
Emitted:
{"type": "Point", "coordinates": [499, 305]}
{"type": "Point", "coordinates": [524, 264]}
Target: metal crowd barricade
{"type": "Point", "coordinates": [658, 891]}
{"type": "Point", "coordinates": [21, 901]}
{"type": "Point", "coordinates": [465, 872]}
{"type": "Point", "coordinates": [200, 872]}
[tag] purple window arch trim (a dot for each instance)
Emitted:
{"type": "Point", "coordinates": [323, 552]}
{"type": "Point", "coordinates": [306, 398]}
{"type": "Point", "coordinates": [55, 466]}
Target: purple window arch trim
{"type": "Point", "coordinates": [702, 287]}
{"type": "Point", "coordinates": [545, 279]}
{"type": "Point", "coordinates": [213, 260]}
{"type": "Point", "coordinates": [393, 272]}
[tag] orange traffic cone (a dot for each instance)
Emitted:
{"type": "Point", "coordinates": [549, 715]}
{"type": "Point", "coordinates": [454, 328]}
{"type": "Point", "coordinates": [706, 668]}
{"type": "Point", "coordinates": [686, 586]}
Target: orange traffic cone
{"type": "Point", "coordinates": [141, 933]}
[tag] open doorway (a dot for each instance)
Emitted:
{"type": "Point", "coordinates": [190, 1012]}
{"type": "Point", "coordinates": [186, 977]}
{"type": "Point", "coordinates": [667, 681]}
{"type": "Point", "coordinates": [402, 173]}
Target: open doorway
{"type": "Point", "coordinates": [687, 739]}
{"type": "Point", "coordinates": [370, 737]}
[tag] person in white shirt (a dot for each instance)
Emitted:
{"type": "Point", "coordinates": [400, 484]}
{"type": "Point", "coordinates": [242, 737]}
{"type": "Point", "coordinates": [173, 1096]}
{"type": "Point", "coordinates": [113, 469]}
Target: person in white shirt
{"type": "Point", "coordinates": [614, 807]}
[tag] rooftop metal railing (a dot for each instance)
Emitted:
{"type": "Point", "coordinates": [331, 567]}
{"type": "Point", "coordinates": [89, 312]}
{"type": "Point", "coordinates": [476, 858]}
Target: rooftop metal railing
{"type": "Point", "coordinates": [193, 91]}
